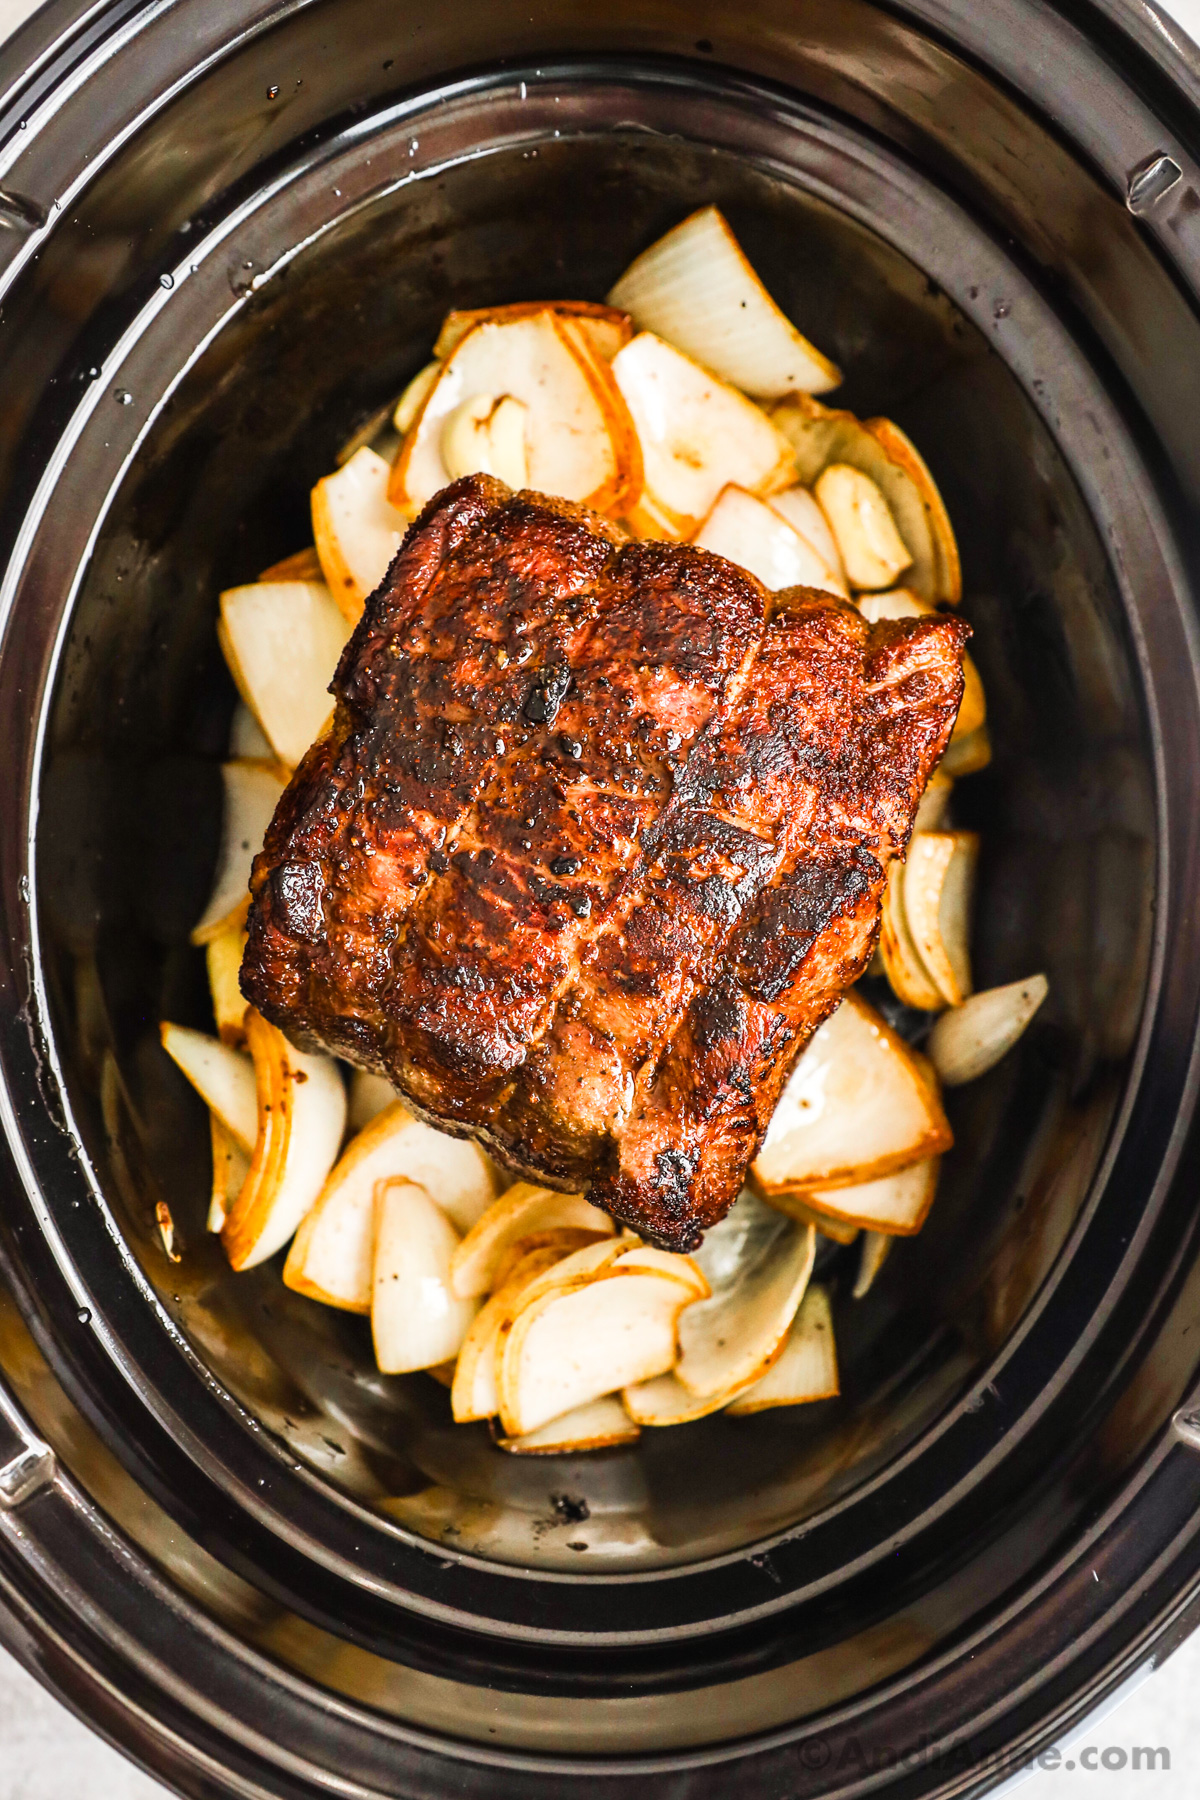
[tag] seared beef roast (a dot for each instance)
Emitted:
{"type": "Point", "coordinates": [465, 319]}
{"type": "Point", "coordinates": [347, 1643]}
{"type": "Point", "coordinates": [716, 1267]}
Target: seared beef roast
{"type": "Point", "coordinates": [596, 841]}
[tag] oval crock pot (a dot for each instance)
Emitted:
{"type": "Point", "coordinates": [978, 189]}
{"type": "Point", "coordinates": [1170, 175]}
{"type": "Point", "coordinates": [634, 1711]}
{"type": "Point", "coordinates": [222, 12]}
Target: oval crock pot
{"type": "Point", "coordinates": [228, 230]}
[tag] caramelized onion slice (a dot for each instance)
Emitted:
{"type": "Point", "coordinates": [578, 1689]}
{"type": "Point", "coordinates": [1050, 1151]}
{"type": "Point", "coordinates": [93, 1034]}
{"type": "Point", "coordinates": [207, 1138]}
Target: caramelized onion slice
{"type": "Point", "coordinates": [939, 889]}
{"type": "Point", "coordinates": [521, 1209]}
{"type": "Point", "coordinates": [697, 435]}
{"type": "Point", "coordinates": [897, 1203]}
{"type": "Point", "coordinates": [578, 440]}
{"type": "Point", "coordinates": [573, 1345]}
{"type": "Point", "coordinates": [357, 529]}
{"type": "Point", "coordinates": [474, 1394]}
{"type": "Point", "coordinates": [605, 327]}
{"type": "Point", "coordinates": [871, 1258]}
{"type": "Point", "coordinates": [222, 1076]}
{"type": "Point", "coordinates": [599, 1425]}
{"type": "Point", "coordinates": [301, 1116]}
{"type": "Point", "coordinates": [331, 1257]}
{"type": "Point", "coordinates": [223, 959]}
{"type": "Point", "coordinates": [872, 551]}
{"type": "Point", "coordinates": [858, 1105]}
{"type": "Point", "coordinates": [821, 435]}
{"type": "Point", "coordinates": [665, 1401]}
{"type": "Point", "coordinates": [806, 1368]}
{"type": "Point", "coordinates": [731, 1339]}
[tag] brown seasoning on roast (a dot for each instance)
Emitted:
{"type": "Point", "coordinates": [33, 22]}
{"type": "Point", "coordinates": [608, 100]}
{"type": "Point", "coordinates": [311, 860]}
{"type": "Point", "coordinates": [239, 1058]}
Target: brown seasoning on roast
{"type": "Point", "coordinates": [596, 841]}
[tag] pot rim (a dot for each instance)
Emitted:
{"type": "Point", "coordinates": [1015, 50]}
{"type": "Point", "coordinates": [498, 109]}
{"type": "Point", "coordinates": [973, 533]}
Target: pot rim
{"type": "Point", "coordinates": [1186, 1080]}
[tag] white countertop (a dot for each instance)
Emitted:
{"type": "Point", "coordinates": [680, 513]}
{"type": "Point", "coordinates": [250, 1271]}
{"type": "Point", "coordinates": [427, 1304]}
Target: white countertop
{"type": "Point", "coordinates": [47, 1754]}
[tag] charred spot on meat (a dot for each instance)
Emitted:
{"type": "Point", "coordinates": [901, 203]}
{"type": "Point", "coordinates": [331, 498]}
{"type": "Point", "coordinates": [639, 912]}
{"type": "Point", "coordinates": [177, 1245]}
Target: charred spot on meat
{"type": "Point", "coordinates": [596, 840]}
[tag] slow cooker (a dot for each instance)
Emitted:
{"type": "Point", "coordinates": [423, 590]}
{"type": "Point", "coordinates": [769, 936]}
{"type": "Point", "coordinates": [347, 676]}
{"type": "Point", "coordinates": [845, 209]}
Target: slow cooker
{"type": "Point", "coordinates": [228, 230]}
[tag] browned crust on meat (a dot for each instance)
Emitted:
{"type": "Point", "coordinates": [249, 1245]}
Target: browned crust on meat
{"type": "Point", "coordinates": [591, 847]}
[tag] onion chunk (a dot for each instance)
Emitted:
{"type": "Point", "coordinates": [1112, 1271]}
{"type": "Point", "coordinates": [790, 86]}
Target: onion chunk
{"type": "Point", "coordinates": [357, 530]}
{"type": "Point", "coordinates": [971, 1039]}
{"type": "Point", "coordinates": [696, 289]}
{"type": "Point", "coordinates": [760, 539]}
{"type": "Point", "coordinates": [857, 1106]}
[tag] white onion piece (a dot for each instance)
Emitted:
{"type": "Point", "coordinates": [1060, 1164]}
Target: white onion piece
{"type": "Point", "coordinates": [599, 1425]}
{"type": "Point", "coordinates": [223, 1078]}
{"type": "Point", "coordinates": [486, 436]}
{"type": "Point", "coordinates": [605, 329]}
{"type": "Point", "coordinates": [330, 1259]}
{"type": "Point", "coordinates": [473, 1391]}
{"type": "Point", "coordinates": [910, 980]}
{"type": "Point", "coordinates": [665, 1401]}
{"type": "Point", "coordinates": [731, 1339]}
{"type": "Point", "coordinates": [971, 1039]}
{"type": "Point", "coordinates": [696, 289]}
{"type": "Point", "coordinates": [415, 395]}
{"type": "Point", "coordinates": [579, 1266]}
{"type": "Point", "coordinates": [821, 435]}
{"type": "Point", "coordinates": [356, 528]}
{"type": "Point", "coordinates": [223, 960]}
{"type": "Point", "coordinates": [754, 535]}
{"type": "Point", "coordinates": [301, 1116]}
{"type": "Point", "coordinates": [252, 791]}
{"type": "Point", "coordinates": [416, 1321]}
{"type": "Point", "coordinates": [697, 435]}
{"type": "Point", "coordinates": [799, 507]}
{"type": "Point", "coordinates": [578, 438]}
{"type": "Point", "coordinates": [282, 641]}
{"type": "Point", "coordinates": [896, 603]}
{"type": "Point", "coordinates": [895, 1203]}
{"type": "Point", "coordinates": [827, 1224]}
{"type": "Point", "coordinates": [521, 1209]}
{"type": "Point", "coordinates": [872, 551]}
{"type": "Point", "coordinates": [672, 1264]}
{"type": "Point", "coordinates": [806, 1369]}
{"type": "Point", "coordinates": [857, 1105]}
{"type": "Point", "coordinates": [231, 1165]}
{"type": "Point", "coordinates": [570, 1347]}
{"type": "Point", "coordinates": [735, 1243]}
{"type": "Point", "coordinates": [871, 1257]}
{"type": "Point", "coordinates": [939, 887]}
{"type": "Point", "coordinates": [565, 1241]}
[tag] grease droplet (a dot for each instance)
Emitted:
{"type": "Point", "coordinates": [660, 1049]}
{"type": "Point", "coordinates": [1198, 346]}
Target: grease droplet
{"type": "Point", "coordinates": [167, 281]}
{"type": "Point", "coordinates": [122, 396]}
{"type": "Point", "coordinates": [84, 1316]}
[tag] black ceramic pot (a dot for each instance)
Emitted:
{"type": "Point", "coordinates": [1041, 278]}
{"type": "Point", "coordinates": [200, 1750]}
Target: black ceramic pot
{"type": "Point", "coordinates": [229, 229]}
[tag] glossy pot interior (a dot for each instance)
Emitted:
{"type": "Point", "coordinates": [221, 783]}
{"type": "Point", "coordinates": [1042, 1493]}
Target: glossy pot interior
{"type": "Point", "coordinates": [252, 276]}
{"type": "Point", "coordinates": [130, 814]}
